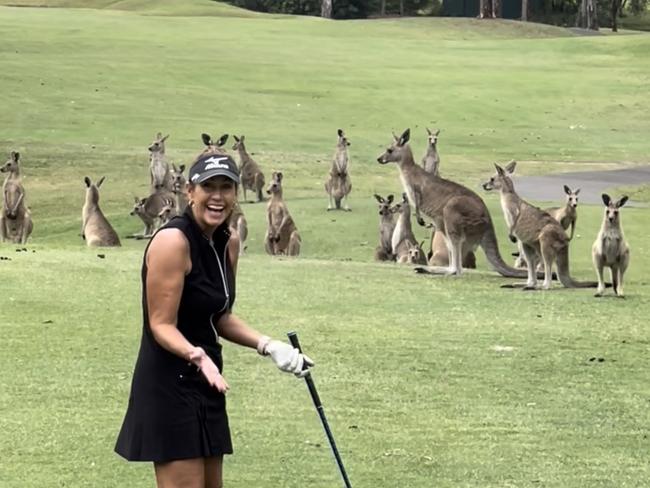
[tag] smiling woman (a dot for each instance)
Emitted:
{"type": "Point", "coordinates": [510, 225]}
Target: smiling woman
{"type": "Point", "coordinates": [176, 415]}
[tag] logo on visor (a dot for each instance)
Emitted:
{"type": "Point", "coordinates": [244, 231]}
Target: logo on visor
{"type": "Point", "coordinates": [215, 162]}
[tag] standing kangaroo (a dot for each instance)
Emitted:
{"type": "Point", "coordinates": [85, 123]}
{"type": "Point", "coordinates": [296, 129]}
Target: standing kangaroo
{"type": "Point", "coordinates": [384, 251]}
{"type": "Point", "coordinates": [282, 235]}
{"type": "Point", "coordinates": [158, 166]}
{"type": "Point", "coordinates": [95, 229]}
{"type": "Point", "coordinates": [178, 187]}
{"type": "Point", "coordinates": [457, 212]}
{"type": "Point", "coordinates": [610, 248]}
{"type": "Point", "coordinates": [252, 177]}
{"type": "Point", "coordinates": [403, 237]}
{"type": "Point", "coordinates": [539, 233]}
{"type": "Point", "coordinates": [431, 160]}
{"type": "Point", "coordinates": [238, 223]}
{"type": "Point", "coordinates": [338, 185]}
{"type": "Point", "coordinates": [15, 218]}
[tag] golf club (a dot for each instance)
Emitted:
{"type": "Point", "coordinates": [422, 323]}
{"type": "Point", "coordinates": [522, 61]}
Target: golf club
{"type": "Point", "coordinates": [293, 338]}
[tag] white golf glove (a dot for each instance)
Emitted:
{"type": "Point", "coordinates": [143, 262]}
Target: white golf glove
{"type": "Point", "coordinates": [286, 357]}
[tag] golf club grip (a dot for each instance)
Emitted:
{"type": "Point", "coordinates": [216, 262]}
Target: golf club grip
{"type": "Point", "coordinates": [293, 339]}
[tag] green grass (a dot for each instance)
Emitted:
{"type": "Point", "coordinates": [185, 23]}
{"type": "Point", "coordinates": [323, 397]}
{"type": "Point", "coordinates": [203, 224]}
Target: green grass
{"type": "Point", "coordinates": [417, 392]}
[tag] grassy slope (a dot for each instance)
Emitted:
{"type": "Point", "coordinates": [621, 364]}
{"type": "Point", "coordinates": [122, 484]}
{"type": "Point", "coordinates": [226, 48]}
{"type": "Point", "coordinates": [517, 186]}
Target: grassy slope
{"type": "Point", "coordinates": [407, 371]}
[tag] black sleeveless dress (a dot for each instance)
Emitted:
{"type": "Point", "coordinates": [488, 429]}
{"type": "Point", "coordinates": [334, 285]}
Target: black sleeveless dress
{"type": "Point", "coordinates": [173, 413]}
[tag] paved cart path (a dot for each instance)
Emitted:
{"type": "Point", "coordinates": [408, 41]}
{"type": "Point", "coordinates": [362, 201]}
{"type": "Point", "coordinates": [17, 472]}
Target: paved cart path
{"type": "Point", "coordinates": [591, 183]}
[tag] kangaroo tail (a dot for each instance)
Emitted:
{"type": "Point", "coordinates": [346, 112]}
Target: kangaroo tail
{"type": "Point", "coordinates": [337, 202]}
{"type": "Point", "coordinates": [564, 275]}
{"type": "Point", "coordinates": [491, 248]}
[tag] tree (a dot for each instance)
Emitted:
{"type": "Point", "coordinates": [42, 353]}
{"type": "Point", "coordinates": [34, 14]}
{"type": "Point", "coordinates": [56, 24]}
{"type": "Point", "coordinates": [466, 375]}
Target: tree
{"type": "Point", "coordinates": [326, 9]}
{"type": "Point", "coordinates": [524, 10]}
{"type": "Point", "coordinates": [616, 8]}
{"type": "Point", "coordinates": [587, 15]}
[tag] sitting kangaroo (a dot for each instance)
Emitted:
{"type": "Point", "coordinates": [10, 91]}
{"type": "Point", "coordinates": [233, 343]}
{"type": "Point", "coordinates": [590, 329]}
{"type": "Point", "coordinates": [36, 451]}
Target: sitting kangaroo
{"type": "Point", "coordinates": [178, 187]}
{"type": "Point", "coordinates": [252, 177]}
{"type": "Point", "coordinates": [168, 212]}
{"type": "Point", "coordinates": [149, 210]}
{"type": "Point", "coordinates": [413, 254]}
{"type": "Point", "coordinates": [403, 238]}
{"type": "Point", "coordinates": [15, 218]}
{"type": "Point", "coordinates": [338, 185]}
{"type": "Point", "coordinates": [384, 251]}
{"type": "Point", "coordinates": [610, 248]}
{"type": "Point", "coordinates": [95, 228]}
{"type": "Point", "coordinates": [214, 147]}
{"type": "Point", "coordinates": [238, 223]}
{"type": "Point", "coordinates": [539, 233]}
{"type": "Point", "coordinates": [457, 212]}
{"type": "Point", "coordinates": [282, 235]}
{"type": "Point", "coordinates": [566, 216]}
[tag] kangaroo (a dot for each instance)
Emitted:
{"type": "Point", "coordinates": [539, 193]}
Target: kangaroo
{"type": "Point", "coordinates": [431, 160]}
{"type": "Point", "coordinates": [282, 235]}
{"type": "Point", "coordinates": [566, 216]}
{"type": "Point", "coordinates": [411, 254]}
{"type": "Point", "coordinates": [95, 228]}
{"type": "Point", "coordinates": [238, 223]}
{"type": "Point", "coordinates": [149, 210]}
{"type": "Point", "coordinates": [403, 232]}
{"type": "Point", "coordinates": [338, 185]}
{"type": "Point", "coordinates": [178, 187]}
{"type": "Point", "coordinates": [158, 166]}
{"type": "Point", "coordinates": [15, 218]}
{"type": "Point", "coordinates": [214, 147]}
{"type": "Point", "coordinates": [539, 233]}
{"type": "Point", "coordinates": [457, 212]}
{"type": "Point", "coordinates": [251, 175]}
{"type": "Point", "coordinates": [610, 248]}
{"type": "Point", "coordinates": [167, 212]}
{"type": "Point", "coordinates": [384, 252]}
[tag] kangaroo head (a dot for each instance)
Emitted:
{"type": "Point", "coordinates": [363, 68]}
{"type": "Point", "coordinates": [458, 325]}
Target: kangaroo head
{"type": "Point", "coordinates": [384, 204]}
{"type": "Point", "coordinates": [415, 253]}
{"type": "Point", "coordinates": [571, 196]}
{"type": "Point", "coordinates": [158, 144]}
{"type": "Point", "coordinates": [165, 213]}
{"type": "Point", "coordinates": [138, 206]}
{"type": "Point", "coordinates": [397, 149]}
{"type": "Point", "coordinates": [343, 141]}
{"type": "Point", "coordinates": [612, 207]}
{"type": "Point", "coordinates": [92, 189]}
{"type": "Point", "coordinates": [215, 146]}
{"type": "Point", "coordinates": [239, 143]}
{"type": "Point", "coordinates": [275, 186]}
{"type": "Point", "coordinates": [178, 179]}
{"type": "Point", "coordinates": [501, 179]}
{"type": "Point", "coordinates": [433, 137]}
{"type": "Point", "coordinates": [11, 166]}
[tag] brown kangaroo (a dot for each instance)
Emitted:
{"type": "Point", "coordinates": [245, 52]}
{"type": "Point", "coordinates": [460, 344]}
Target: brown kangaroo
{"type": "Point", "coordinates": [214, 147]}
{"type": "Point", "coordinates": [158, 165]}
{"type": "Point", "coordinates": [237, 222]}
{"type": "Point", "coordinates": [282, 235]}
{"type": "Point", "coordinates": [338, 185]}
{"type": "Point", "coordinates": [251, 175]}
{"type": "Point", "coordinates": [567, 215]}
{"type": "Point", "coordinates": [384, 251]}
{"type": "Point", "coordinates": [431, 160]}
{"type": "Point", "coordinates": [95, 228]}
{"type": "Point", "coordinates": [610, 248]}
{"type": "Point", "coordinates": [457, 212]}
{"type": "Point", "coordinates": [539, 234]}
{"type": "Point", "coordinates": [15, 218]}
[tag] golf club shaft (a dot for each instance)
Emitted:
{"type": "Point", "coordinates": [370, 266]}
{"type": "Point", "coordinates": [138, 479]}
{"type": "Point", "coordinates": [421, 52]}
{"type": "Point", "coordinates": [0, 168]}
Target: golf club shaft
{"type": "Point", "coordinates": [293, 338]}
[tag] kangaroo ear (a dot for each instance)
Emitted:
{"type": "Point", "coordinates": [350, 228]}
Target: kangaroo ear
{"type": "Point", "coordinates": [379, 198]}
{"type": "Point", "coordinates": [389, 199]}
{"type": "Point", "coordinates": [181, 168]}
{"type": "Point", "coordinates": [158, 135]}
{"type": "Point", "coordinates": [500, 170]}
{"type": "Point", "coordinates": [15, 155]}
{"type": "Point", "coordinates": [567, 190]}
{"type": "Point", "coordinates": [406, 135]}
{"type": "Point", "coordinates": [606, 199]}
{"type": "Point", "coordinates": [174, 168]}
{"type": "Point", "coordinates": [207, 140]}
{"type": "Point", "coordinates": [437, 131]}
{"type": "Point", "coordinates": [87, 181]}
{"type": "Point", "coordinates": [577, 191]}
{"type": "Point", "coordinates": [395, 138]}
{"type": "Point", "coordinates": [236, 138]}
{"type": "Point", "coordinates": [136, 199]}
{"type": "Point", "coordinates": [622, 201]}
{"type": "Point", "coordinates": [510, 168]}
{"type": "Point", "coordinates": [340, 132]}
{"type": "Point", "coordinates": [101, 180]}
{"type": "Point", "coordinates": [222, 140]}
{"type": "Point", "coordinates": [164, 138]}
{"type": "Point", "coordinates": [428, 131]}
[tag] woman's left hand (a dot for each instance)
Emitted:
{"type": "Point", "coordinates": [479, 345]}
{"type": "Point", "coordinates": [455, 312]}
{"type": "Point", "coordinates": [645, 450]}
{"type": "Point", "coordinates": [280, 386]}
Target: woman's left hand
{"type": "Point", "coordinates": [210, 371]}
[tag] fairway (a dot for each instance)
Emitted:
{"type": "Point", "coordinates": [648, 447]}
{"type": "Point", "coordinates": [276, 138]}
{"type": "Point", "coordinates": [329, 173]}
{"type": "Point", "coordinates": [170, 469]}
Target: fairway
{"type": "Point", "coordinates": [426, 382]}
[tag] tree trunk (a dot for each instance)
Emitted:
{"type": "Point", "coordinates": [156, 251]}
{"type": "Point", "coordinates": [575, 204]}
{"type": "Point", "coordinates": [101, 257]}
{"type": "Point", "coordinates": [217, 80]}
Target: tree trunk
{"type": "Point", "coordinates": [326, 9]}
{"type": "Point", "coordinates": [383, 8]}
{"type": "Point", "coordinates": [524, 10]}
{"type": "Point", "coordinates": [497, 9]}
{"type": "Point", "coordinates": [401, 8]}
{"type": "Point", "coordinates": [486, 10]}
{"type": "Point", "coordinates": [587, 17]}
{"type": "Point", "coordinates": [616, 7]}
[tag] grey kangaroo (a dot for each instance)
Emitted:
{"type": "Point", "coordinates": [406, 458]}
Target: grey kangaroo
{"type": "Point", "coordinates": [539, 234]}
{"type": "Point", "coordinates": [252, 177]}
{"type": "Point", "coordinates": [610, 248]}
{"type": "Point", "coordinates": [384, 251]}
{"type": "Point", "coordinates": [214, 147]}
{"type": "Point", "coordinates": [95, 228]}
{"type": "Point", "coordinates": [457, 212]}
{"type": "Point", "coordinates": [282, 236]}
{"type": "Point", "coordinates": [15, 218]}
{"type": "Point", "coordinates": [338, 185]}
{"type": "Point", "coordinates": [431, 160]}
{"type": "Point", "coordinates": [158, 165]}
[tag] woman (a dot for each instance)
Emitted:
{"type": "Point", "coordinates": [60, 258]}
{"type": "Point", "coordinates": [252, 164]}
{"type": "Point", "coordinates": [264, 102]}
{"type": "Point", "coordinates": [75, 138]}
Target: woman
{"type": "Point", "coordinates": [176, 416]}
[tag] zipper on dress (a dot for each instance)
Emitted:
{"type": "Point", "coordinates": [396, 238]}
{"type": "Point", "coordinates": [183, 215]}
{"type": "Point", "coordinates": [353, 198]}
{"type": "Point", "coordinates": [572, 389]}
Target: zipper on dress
{"type": "Point", "coordinates": [225, 284]}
